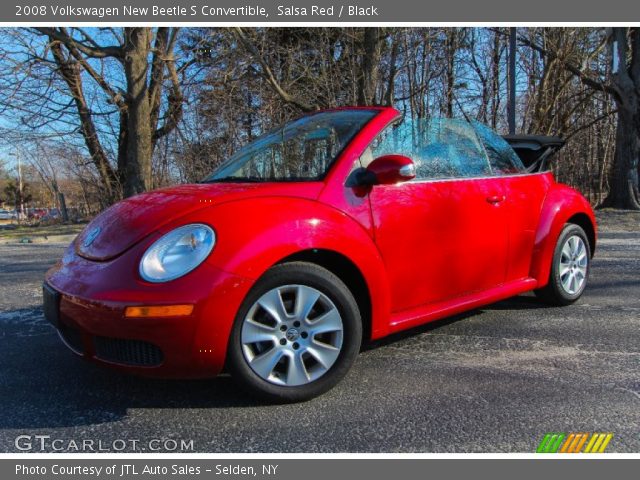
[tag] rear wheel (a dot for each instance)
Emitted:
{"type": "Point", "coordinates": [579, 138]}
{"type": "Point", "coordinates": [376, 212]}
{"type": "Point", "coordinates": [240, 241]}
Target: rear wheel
{"type": "Point", "coordinates": [296, 334]}
{"type": "Point", "coordinates": [569, 268]}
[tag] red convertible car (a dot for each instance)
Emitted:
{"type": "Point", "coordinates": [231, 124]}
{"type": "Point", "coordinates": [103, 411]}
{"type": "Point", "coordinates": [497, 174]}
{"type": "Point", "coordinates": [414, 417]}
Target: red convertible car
{"type": "Point", "coordinates": [342, 226]}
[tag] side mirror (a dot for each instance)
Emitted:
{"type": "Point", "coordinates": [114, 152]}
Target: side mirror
{"type": "Point", "coordinates": [389, 169]}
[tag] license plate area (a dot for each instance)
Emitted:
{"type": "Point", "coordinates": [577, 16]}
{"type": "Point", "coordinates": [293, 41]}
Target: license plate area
{"type": "Point", "coordinates": [51, 305]}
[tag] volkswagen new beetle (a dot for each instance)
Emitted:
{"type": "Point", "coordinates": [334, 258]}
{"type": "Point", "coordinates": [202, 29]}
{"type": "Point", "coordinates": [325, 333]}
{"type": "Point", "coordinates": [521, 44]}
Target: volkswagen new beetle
{"type": "Point", "coordinates": [340, 227]}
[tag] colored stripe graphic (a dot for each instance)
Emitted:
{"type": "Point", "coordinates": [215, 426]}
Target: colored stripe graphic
{"type": "Point", "coordinates": [550, 443]}
{"type": "Point", "coordinates": [606, 442]}
{"type": "Point", "coordinates": [578, 447]}
{"type": "Point", "coordinates": [543, 443]}
{"type": "Point", "coordinates": [591, 443]}
{"type": "Point", "coordinates": [569, 444]}
{"type": "Point", "coordinates": [573, 442]}
{"type": "Point", "coordinates": [598, 442]}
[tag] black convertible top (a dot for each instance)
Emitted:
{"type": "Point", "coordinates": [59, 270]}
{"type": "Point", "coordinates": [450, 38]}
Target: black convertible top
{"type": "Point", "coordinates": [534, 150]}
{"type": "Point", "coordinates": [533, 142]}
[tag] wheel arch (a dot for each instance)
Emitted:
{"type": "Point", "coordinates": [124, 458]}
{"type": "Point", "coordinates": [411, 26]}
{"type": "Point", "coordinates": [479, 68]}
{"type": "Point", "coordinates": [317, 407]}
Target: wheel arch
{"type": "Point", "coordinates": [562, 205]}
{"type": "Point", "coordinates": [341, 266]}
{"type": "Point", "coordinates": [583, 221]}
{"type": "Point", "coordinates": [279, 229]}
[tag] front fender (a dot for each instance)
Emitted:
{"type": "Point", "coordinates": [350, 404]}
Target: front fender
{"type": "Point", "coordinates": [255, 234]}
{"type": "Point", "coordinates": [561, 204]}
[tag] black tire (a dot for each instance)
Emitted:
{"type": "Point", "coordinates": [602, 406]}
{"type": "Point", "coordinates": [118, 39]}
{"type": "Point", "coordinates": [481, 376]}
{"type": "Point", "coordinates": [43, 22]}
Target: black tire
{"type": "Point", "coordinates": [316, 277]}
{"type": "Point", "coordinates": [554, 293]}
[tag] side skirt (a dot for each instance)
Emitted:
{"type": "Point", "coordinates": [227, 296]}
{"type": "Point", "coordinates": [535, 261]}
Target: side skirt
{"type": "Point", "coordinates": [436, 311]}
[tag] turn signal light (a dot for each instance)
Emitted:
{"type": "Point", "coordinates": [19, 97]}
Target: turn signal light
{"type": "Point", "coordinates": [159, 311]}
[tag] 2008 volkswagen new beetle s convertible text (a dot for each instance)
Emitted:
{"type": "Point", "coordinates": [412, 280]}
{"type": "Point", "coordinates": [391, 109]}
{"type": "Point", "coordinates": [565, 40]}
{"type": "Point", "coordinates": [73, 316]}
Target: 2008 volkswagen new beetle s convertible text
{"type": "Point", "coordinates": [343, 226]}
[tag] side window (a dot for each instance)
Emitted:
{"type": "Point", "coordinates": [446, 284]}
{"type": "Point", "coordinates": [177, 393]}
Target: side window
{"type": "Point", "coordinates": [503, 159]}
{"type": "Point", "coordinates": [440, 148]}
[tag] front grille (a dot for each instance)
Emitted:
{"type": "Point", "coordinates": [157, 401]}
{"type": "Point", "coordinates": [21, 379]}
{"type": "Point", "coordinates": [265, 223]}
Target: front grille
{"type": "Point", "coordinates": [72, 337]}
{"type": "Point", "coordinates": [128, 352]}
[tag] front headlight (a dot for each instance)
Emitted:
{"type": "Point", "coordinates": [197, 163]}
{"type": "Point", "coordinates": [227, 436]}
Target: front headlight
{"type": "Point", "coordinates": [177, 253]}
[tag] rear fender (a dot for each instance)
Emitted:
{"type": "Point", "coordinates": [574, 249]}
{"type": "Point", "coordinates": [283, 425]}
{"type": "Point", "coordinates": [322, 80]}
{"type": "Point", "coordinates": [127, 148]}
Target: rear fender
{"type": "Point", "coordinates": [561, 205]}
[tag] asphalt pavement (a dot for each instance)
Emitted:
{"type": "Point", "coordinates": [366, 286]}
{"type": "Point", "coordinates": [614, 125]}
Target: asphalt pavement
{"type": "Point", "coordinates": [494, 380]}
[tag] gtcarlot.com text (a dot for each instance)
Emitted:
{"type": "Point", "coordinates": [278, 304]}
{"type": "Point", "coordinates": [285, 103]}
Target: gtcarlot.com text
{"type": "Point", "coordinates": [47, 443]}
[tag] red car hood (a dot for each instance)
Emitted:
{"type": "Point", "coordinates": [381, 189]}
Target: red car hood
{"type": "Point", "coordinates": [129, 221]}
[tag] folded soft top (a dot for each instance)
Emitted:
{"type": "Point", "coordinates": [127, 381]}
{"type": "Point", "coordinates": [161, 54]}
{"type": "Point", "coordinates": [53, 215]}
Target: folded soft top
{"type": "Point", "coordinates": [533, 142]}
{"type": "Point", "coordinates": [534, 150]}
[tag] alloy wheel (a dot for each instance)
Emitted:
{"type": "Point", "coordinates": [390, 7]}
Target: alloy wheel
{"type": "Point", "coordinates": [572, 268]}
{"type": "Point", "coordinates": [292, 335]}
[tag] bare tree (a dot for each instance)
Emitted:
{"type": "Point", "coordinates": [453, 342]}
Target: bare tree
{"type": "Point", "coordinates": [135, 68]}
{"type": "Point", "coordinates": [116, 96]}
{"type": "Point", "coordinates": [625, 81]}
{"type": "Point", "coordinates": [623, 85]}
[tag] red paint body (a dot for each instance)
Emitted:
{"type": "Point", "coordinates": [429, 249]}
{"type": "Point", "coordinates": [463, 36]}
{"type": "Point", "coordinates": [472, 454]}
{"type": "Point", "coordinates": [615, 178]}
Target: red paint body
{"type": "Point", "coordinates": [425, 249]}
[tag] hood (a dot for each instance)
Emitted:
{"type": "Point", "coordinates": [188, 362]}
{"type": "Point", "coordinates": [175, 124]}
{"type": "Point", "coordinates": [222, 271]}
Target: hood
{"type": "Point", "coordinates": [127, 222]}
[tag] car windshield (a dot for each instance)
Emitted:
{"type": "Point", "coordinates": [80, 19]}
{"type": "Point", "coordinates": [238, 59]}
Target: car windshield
{"type": "Point", "coordinates": [301, 150]}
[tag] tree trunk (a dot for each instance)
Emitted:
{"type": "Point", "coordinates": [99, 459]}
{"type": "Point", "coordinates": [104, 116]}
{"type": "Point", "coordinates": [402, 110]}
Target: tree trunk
{"type": "Point", "coordinates": [393, 71]}
{"type": "Point", "coordinates": [149, 72]}
{"type": "Point", "coordinates": [63, 207]}
{"type": "Point", "coordinates": [370, 62]}
{"type": "Point", "coordinates": [495, 81]}
{"type": "Point", "coordinates": [451, 49]}
{"type": "Point", "coordinates": [623, 182]}
{"type": "Point", "coordinates": [70, 73]}
{"type": "Point", "coordinates": [139, 133]}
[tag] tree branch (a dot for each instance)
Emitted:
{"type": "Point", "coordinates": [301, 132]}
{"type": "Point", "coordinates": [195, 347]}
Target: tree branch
{"type": "Point", "coordinates": [266, 70]}
{"type": "Point", "coordinates": [91, 51]}
{"type": "Point", "coordinates": [116, 97]}
{"type": "Point", "coordinates": [164, 58]}
{"type": "Point", "coordinates": [578, 72]}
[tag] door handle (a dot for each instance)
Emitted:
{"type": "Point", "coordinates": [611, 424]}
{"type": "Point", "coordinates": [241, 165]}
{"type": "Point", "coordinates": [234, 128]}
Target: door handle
{"type": "Point", "coordinates": [495, 199]}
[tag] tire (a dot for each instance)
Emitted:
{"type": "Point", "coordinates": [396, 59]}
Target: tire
{"type": "Point", "coordinates": [571, 259]}
{"type": "Point", "coordinates": [279, 352]}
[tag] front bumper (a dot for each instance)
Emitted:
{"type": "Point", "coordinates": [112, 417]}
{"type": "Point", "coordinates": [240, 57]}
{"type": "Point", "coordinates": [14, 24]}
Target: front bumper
{"type": "Point", "coordinates": [91, 321]}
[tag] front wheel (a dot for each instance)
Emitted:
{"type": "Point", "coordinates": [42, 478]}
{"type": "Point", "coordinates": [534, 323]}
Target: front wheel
{"type": "Point", "coordinates": [569, 268]}
{"type": "Point", "coordinates": [296, 334]}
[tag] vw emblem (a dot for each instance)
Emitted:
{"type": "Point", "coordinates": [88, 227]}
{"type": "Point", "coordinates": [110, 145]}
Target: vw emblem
{"type": "Point", "coordinates": [292, 334]}
{"type": "Point", "coordinates": [91, 236]}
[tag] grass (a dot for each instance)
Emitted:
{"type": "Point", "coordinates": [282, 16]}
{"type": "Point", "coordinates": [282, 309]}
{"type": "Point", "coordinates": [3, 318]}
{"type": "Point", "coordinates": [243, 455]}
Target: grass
{"type": "Point", "coordinates": [42, 232]}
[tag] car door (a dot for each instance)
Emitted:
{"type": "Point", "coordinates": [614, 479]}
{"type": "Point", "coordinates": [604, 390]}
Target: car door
{"type": "Point", "coordinates": [526, 193]}
{"type": "Point", "coordinates": [444, 234]}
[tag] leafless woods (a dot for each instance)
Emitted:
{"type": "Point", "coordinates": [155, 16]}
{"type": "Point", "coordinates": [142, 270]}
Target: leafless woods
{"type": "Point", "coordinates": [99, 114]}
